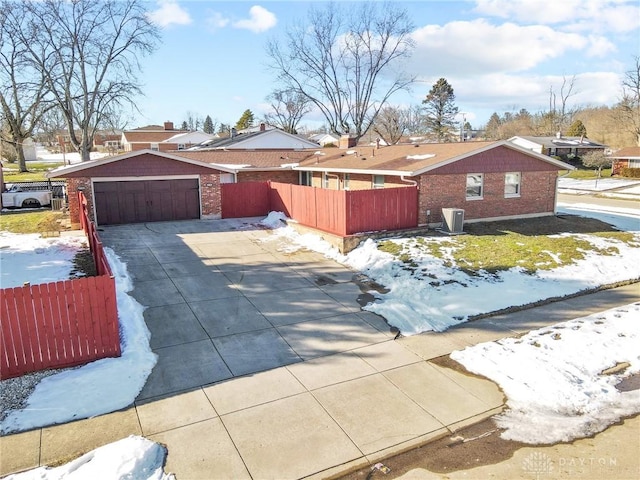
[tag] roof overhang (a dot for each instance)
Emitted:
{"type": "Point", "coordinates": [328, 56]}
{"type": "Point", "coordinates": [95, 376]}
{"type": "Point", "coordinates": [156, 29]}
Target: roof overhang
{"type": "Point", "coordinates": [78, 167]}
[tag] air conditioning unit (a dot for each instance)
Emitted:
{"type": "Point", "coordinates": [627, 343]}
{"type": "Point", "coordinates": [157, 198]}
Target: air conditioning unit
{"type": "Point", "coordinates": [453, 219]}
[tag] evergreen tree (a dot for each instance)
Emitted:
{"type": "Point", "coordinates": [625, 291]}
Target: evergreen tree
{"type": "Point", "coordinates": [441, 110]}
{"type": "Point", "coordinates": [492, 130]}
{"type": "Point", "coordinates": [577, 129]}
{"type": "Point", "coordinates": [246, 120]}
{"type": "Point", "coordinates": [208, 125]}
{"type": "Point", "coordinates": [184, 126]}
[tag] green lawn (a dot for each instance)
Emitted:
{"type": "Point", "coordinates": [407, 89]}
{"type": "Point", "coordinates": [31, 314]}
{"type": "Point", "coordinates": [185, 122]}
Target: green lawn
{"type": "Point", "coordinates": [32, 221]}
{"type": "Point", "coordinates": [582, 173]}
{"type": "Point", "coordinates": [35, 174]}
{"type": "Point", "coordinates": [532, 244]}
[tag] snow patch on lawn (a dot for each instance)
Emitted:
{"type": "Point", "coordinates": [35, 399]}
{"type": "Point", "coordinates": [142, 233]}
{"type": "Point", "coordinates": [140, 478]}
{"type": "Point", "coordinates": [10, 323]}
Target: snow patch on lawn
{"type": "Point", "coordinates": [435, 295]}
{"type": "Point", "coordinates": [133, 457]}
{"type": "Point", "coordinates": [31, 258]}
{"type": "Point", "coordinates": [553, 377]}
{"type": "Point", "coordinates": [98, 387]}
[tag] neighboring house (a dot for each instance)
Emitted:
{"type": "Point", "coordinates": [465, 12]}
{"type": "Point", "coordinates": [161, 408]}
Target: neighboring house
{"type": "Point", "coordinates": [161, 138]}
{"type": "Point", "coordinates": [107, 141]}
{"type": "Point", "coordinates": [488, 180]}
{"type": "Point", "coordinates": [559, 146]}
{"type": "Point", "coordinates": [628, 157]}
{"type": "Point", "coordinates": [323, 139]}
{"type": "Point", "coordinates": [261, 139]}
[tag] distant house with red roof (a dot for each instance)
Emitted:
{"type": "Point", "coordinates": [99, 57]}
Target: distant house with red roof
{"type": "Point", "coordinates": [161, 138]}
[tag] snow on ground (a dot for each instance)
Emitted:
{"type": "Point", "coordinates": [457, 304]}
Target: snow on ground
{"type": "Point", "coordinates": [107, 385]}
{"type": "Point", "coordinates": [555, 392]}
{"type": "Point", "coordinates": [416, 304]}
{"type": "Point", "coordinates": [43, 155]}
{"type": "Point", "coordinates": [575, 185]}
{"type": "Point", "coordinates": [130, 458]}
{"type": "Point", "coordinates": [31, 258]}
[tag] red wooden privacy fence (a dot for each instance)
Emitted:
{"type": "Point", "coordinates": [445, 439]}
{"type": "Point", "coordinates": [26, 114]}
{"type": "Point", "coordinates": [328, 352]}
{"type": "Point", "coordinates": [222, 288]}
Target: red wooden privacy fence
{"type": "Point", "coordinates": [60, 324]}
{"type": "Point", "coordinates": [336, 211]}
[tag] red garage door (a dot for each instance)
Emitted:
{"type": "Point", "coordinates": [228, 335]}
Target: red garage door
{"type": "Point", "coordinates": [146, 201]}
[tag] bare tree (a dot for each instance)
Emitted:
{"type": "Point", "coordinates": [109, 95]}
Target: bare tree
{"type": "Point", "coordinates": [560, 114]}
{"type": "Point", "coordinates": [346, 61]}
{"type": "Point", "coordinates": [88, 51]}
{"type": "Point", "coordinates": [288, 108]}
{"type": "Point", "coordinates": [393, 122]}
{"type": "Point", "coordinates": [23, 88]}
{"type": "Point", "coordinates": [627, 111]}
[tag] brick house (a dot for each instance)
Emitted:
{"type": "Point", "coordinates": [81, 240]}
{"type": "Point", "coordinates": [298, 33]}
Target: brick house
{"type": "Point", "coordinates": [628, 157]}
{"type": "Point", "coordinates": [159, 138]}
{"type": "Point", "coordinates": [488, 180]}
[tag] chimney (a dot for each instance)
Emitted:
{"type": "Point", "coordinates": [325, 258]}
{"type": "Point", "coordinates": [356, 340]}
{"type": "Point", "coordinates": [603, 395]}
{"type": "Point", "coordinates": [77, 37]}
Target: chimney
{"type": "Point", "coordinates": [347, 141]}
{"type": "Point", "coordinates": [263, 127]}
{"type": "Point", "coordinates": [168, 125]}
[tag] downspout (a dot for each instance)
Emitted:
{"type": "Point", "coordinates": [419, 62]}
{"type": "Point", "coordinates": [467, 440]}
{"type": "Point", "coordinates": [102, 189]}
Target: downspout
{"type": "Point", "coordinates": [406, 180]}
{"type": "Point", "coordinates": [335, 175]}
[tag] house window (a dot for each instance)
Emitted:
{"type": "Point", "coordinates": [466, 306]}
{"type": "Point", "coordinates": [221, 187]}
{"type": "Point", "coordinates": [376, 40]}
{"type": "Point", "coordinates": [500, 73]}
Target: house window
{"type": "Point", "coordinates": [306, 178]}
{"type": "Point", "coordinates": [474, 186]}
{"type": "Point", "coordinates": [226, 178]}
{"type": "Point", "coordinates": [155, 147]}
{"type": "Point", "coordinates": [512, 184]}
{"type": "Point", "coordinates": [634, 163]}
{"type": "Point", "coordinates": [378, 181]}
{"type": "Point", "coordinates": [181, 146]}
{"type": "Point", "coordinates": [325, 180]}
{"type": "Point", "coordinates": [345, 181]}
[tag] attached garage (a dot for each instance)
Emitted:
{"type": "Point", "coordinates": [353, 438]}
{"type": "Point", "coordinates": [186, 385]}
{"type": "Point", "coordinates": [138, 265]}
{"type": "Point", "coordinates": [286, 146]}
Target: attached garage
{"type": "Point", "coordinates": [144, 186]}
{"type": "Point", "coordinates": [146, 201]}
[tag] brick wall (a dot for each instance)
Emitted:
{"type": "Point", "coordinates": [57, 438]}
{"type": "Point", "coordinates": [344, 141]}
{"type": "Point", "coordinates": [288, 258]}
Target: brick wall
{"type": "Point", "coordinates": [537, 196]}
{"type": "Point", "coordinates": [73, 185]}
{"type": "Point", "coordinates": [210, 195]}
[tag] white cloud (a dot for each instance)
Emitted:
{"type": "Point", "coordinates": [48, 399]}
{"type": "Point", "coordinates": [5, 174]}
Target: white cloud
{"type": "Point", "coordinates": [217, 20]}
{"type": "Point", "coordinates": [478, 47]}
{"type": "Point", "coordinates": [618, 16]}
{"type": "Point", "coordinates": [169, 13]}
{"type": "Point", "coordinates": [502, 92]}
{"type": "Point", "coordinates": [260, 20]}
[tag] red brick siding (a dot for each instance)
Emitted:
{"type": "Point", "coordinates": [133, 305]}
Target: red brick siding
{"type": "Point", "coordinates": [210, 195]}
{"type": "Point", "coordinates": [142, 165]}
{"type": "Point", "coordinates": [72, 192]}
{"type": "Point", "coordinates": [537, 195]}
{"type": "Point", "coordinates": [618, 165]}
{"type": "Point", "coordinates": [500, 159]}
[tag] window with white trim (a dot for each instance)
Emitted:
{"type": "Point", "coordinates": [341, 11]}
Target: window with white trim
{"type": "Point", "coordinates": [325, 180]}
{"type": "Point", "coordinates": [155, 147]}
{"type": "Point", "coordinates": [633, 163]}
{"type": "Point", "coordinates": [378, 181]}
{"type": "Point", "coordinates": [474, 186]}
{"type": "Point", "coordinates": [345, 181]}
{"type": "Point", "coordinates": [512, 184]}
{"type": "Point", "coordinates": [227, 178]}
{"type": "Point", "coordinates": [306, 178]}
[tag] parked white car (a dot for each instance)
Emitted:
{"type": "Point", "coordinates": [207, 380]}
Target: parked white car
{"type": "Point", "coordinates": [17, 198]}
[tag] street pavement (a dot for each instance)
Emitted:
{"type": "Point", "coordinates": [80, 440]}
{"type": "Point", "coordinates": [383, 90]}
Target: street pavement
{"type": "Point", "coordinates": [268, 368]}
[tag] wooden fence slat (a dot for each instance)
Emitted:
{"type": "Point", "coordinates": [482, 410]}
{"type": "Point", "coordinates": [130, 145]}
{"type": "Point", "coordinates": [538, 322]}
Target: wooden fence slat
{"type": "Point", "coordinates": [40, 322]}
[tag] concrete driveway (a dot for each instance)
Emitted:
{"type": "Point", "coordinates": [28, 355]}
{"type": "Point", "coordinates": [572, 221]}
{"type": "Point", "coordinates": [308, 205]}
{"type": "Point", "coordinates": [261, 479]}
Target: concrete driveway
{"type": "Point", "coordinates": [267, 366]}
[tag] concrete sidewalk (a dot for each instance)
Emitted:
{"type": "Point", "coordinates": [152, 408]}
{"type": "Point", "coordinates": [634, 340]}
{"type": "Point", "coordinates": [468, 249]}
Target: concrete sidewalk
{"type": "Point", "coordinates": [269, 369]}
